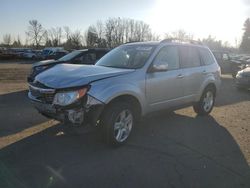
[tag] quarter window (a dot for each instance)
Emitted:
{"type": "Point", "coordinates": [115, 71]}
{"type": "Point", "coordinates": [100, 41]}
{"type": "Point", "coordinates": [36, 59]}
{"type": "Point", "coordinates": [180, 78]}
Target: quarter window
{"type": "Point", "coordinates": [189, 57]}
{"type": "Point", "coordinates": [168, 56]}
{"type": "Point", "coordinates": [206, 57]}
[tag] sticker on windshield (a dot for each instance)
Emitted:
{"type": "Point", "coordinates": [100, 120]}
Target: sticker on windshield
{"type": "Point", "coordinates": [144, 48]}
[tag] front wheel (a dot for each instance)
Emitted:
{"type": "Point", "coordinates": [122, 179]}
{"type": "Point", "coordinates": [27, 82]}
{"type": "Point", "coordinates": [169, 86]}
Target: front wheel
{"type": "Point", "coordinates": [206, 103]}
{"type": "Point", "coordinates": [118, 122]}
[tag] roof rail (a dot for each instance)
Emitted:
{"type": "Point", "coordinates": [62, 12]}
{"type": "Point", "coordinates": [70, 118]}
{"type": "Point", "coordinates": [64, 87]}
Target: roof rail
{"type": "Point", "coordinates": [133, 41]}
{"type": "Point", "coordinates": [182, 41]}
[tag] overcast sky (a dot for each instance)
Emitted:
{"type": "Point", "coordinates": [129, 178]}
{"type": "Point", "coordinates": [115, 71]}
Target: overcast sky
{"type": "Point", "coordinates": [221, 18]}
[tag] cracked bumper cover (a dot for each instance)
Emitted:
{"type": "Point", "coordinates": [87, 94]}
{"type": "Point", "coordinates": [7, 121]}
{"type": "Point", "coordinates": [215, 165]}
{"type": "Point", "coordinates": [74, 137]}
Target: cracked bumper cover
{"type": "Point", "coordinates": [82, 112]}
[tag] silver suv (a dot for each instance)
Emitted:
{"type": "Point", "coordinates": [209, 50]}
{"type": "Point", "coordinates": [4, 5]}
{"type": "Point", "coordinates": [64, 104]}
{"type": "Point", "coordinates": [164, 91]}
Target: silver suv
{"type": "Point", "coordinates": [129, 82]}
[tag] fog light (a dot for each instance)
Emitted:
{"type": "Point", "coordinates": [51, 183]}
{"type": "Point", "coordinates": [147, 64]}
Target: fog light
{"type": "Point", "coordinates": [76, 116]}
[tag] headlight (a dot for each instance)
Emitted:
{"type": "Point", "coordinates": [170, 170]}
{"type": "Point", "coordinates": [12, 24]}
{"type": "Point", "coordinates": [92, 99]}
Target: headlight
{"type": "Point", "coordinates": [66, 98]}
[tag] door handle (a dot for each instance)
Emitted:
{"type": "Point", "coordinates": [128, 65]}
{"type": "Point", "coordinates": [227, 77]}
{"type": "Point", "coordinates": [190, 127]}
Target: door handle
{"type": "Point", "coordinates": [180, 76]}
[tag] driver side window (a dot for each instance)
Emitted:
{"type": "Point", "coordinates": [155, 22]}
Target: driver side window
{"type": "Point", "coordinates": [168, 56]}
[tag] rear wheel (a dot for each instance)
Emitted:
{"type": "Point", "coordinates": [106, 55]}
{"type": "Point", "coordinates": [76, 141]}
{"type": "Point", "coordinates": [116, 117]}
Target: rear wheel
{"type": "Point", "coordinates": [117, 123]}
{"type": "Point", "coordinates": [206, 103]}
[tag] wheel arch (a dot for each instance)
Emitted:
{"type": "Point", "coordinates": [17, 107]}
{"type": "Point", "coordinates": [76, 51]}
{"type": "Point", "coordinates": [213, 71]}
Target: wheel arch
{"type": "Point", "coordinates": [129, 99]}
{"type": "Point", "coordinates": [206, 85]}
{"type": "Point", "coordinates": [212, 86]}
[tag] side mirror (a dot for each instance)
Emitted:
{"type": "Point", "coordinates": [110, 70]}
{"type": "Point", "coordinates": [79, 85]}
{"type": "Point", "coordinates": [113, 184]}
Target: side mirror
{"type": "Point", "coordinates": [159, 68]}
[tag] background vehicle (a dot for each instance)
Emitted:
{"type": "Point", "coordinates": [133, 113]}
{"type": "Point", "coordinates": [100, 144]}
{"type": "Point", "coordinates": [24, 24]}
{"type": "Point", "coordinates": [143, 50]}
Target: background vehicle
{"type": "Point", "coordinates": [229, 64]}
{"type": "Point", "coordinates": [32, 54]}
{"type": "Point", "coordinates": [57, 54]}
{"type": "Point", "coordinates": [129, 82]}
{"type": "Point", "coordinates": [85, 56]}
{"type": "Point", "coordinates": [17, 52]}
{"type": "Point", "coordinates": [46, 52]}
{"type": "Point", "coordinates": [243, 78]}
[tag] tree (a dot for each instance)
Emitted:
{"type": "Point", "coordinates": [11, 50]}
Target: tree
{"type": "Point", "coordinates": [91, 37]}
{"type": "Point", "coordinates": [109, 29]}
{"type": "Point", "coordinates": [212, 43]}
{"type": "Point", "coordinates": [55, 35]}
{"type": "Point", "coordinates": [17, 43]}
{"type": "Point", "coordinates": [101, 41]}
{"type": "Point", "coordinates": [179, 34]}
{"type": "Point", "coordinates": [35, 32]}
{"type": "Point", "coordinates": [67, 32]}
{"type": "Point", "coordinates": [118, 31]}
{"type": "Point", "coordinates": [245, 44]}
{"type": "Point", "coordinates": [75, 40]}
{"type": "Point", "coordinates": [7, 39]}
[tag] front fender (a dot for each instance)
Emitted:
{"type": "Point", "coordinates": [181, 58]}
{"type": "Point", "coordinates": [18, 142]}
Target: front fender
{"type": "Point", "coordinates": [106, 92]}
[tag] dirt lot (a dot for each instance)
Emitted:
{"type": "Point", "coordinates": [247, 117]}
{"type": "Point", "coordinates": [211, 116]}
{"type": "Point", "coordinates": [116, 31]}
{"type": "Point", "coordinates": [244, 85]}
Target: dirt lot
{"type": "Point", "coordinates": [175, 149]}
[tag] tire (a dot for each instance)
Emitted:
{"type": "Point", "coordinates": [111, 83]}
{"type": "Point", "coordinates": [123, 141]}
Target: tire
{"type": "Point", "coordinates": [206, 103]}
{"type": "Point", "coordinates": [117, 123]}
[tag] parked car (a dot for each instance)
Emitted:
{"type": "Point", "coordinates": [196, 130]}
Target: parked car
{"type": "Point", "coordinates": [17, 52]}
{"type": "Point", "coordinates": [129, 82]}
{"type": "Point", "coordinates": [32, 54]}
{"type": "Point", "coordinates": [243, 78]}
{"type": "Point", "coordinates": [227, 65]}
{"type": "Point", "coordinates": [2, 51]}
{"type": "Point", "coordinates": [46, 52]}
{"type": "Point", "coordinates": [6, 53]}
{"type": "Point", "coordinates": [85, 56]}
{"type": "Point", "coordinates": [57, 55]}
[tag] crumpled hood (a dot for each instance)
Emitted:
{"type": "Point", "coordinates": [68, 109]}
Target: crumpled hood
{"type": "Point", "coordinates": [69, 75]}
{"type": "Point", "coordinates": [46, 62]}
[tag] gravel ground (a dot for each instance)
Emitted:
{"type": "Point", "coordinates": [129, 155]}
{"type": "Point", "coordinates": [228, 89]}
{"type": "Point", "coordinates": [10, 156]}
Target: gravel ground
{"type": "Point", "coordinates": [170, 149]}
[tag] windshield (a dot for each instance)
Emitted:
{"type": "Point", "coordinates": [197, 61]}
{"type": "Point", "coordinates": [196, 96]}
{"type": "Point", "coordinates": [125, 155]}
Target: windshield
{"type": "Point", "coordinates": [128, 57]}
{"type": "Point", "coordinates": [70, 56]}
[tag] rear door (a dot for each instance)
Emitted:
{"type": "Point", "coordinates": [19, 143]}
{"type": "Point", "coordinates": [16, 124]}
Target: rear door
{"type": "Point", "coordinates": [192, 72]}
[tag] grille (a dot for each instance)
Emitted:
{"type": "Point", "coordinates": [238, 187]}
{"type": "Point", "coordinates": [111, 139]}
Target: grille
{"type": "Point", "coordinates": [44, 95]}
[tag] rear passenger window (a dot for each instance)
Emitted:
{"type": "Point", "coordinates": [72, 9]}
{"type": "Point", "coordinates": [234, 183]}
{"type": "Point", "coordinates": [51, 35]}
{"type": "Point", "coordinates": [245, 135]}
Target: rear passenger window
{"type": "Point", "coordinates": [169, 56]}
{"type": "Point", "coordinates": [206, 57]}
{"type": "Point", "coordinates": [99, 54]}
{"type": "Point", "coordinates": [92, 56]}
{"type": "Point", "coordinates": [189, 57]}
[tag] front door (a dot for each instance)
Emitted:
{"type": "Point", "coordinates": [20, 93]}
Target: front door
{"type": "Point", "coordinates": [164, 88]}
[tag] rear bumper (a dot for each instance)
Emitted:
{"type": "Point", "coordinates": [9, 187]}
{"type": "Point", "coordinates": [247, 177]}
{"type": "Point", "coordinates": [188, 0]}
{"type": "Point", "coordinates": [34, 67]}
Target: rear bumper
{"type": "Point", "coordinates": [76, 115]}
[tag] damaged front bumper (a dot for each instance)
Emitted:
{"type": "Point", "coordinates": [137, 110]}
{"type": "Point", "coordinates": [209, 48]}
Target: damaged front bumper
{"type": "Point", "coordinates": [83, 112]}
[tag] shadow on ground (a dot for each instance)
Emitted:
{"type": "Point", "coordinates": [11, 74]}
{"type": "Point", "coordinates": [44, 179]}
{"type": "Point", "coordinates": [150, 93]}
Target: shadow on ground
{"type": "Point", "coordinates": [168, 150]}
{"type": "Point", "coordinates": [17, 113]}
